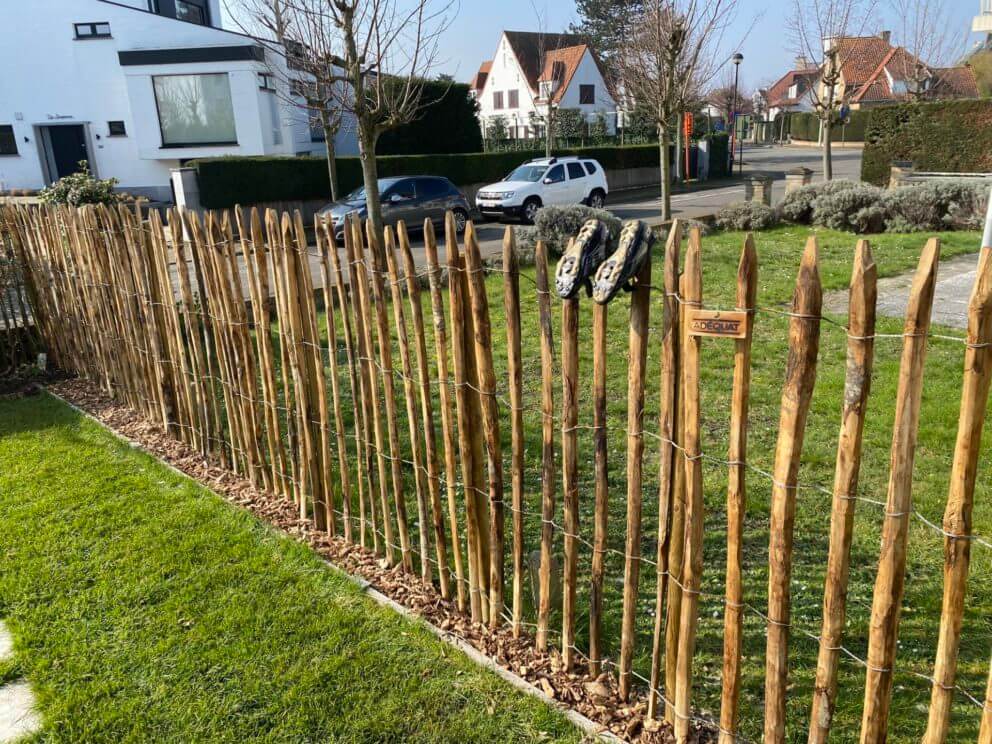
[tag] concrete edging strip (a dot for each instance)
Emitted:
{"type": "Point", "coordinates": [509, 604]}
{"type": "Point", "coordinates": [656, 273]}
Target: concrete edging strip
{"type": "Point", "coordinates": [588, 726]}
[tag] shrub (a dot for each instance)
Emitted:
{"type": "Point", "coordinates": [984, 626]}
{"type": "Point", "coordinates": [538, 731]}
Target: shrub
{"type": "Point", "coordinates": [798, 206]}
{"type": "Point", "coordinates": [943, 136]}
{"type": "Point", "coordinates": [938, 205]}
{"type": "Point", "coordinates": [81, 188]}
{"type": "Point", "coordinates": [805, 126]}
{"type": "Point", "coordinates": [556, 225]}
{"type": "Point", "coordinates": [746, 216]}
{"type": "Point", "coordinates": [232, 180]}
{"type": "Point", "coordinates": [859, 209]}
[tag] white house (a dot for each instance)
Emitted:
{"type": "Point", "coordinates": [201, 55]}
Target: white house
{"type": "Point", "coordinates": [530, 67]}
{"type": "Point", "coordinates": [136, 88]}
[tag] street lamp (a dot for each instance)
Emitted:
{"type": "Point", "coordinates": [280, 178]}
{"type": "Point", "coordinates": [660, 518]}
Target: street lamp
{"type": "Point", "coordinates": [737, 59]}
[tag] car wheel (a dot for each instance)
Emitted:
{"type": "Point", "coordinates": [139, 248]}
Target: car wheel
{"type": "Point", "coordinates": [461, 220]}
{"type": "Point", "coordinates": [597, 199]}
{"type": "Point", "coordinates": [531, 207]}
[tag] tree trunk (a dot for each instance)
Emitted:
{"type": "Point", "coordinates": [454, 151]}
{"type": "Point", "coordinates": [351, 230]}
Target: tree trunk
{"type": "Point", "coordinates": [332, 163]}
{"type": "Point", "coordinates": [549, 128]}
{"type": "Point", "coordinates": [828, 165]}
{"type": "Point", "coordinates": [666, 174]}
{"type": "Point", "coordinates": [370, 177]}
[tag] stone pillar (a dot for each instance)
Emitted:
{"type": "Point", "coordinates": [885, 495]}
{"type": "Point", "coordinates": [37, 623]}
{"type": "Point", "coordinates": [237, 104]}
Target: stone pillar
{"type": "Point", "coordinates": [758, 187]}
{"type": "Point", "coordinates": [797, 178]}
{"type": "Point", "coordinates": [898, 172]}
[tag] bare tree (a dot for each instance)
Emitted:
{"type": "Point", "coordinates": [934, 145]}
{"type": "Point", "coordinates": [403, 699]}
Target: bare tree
{"type": "Point", "coordinates": [817, 26]}
{"type": "Point", "coordinates": [306, 43]}
{"type": "Point", "coordinates": [672, 55]}
{"type": "Point", "coordinates": [928, 34]}
{"type": "Point", "coordinates": [550, 77]}
{"type": "Point", "coordinates": [370, 58]}
{"type": "Point", "coordinates": [728, 99]}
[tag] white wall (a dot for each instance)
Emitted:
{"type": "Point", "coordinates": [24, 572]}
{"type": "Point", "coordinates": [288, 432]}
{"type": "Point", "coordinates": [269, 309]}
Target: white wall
{"type": "Point", "coordinates": [506, 75]}
{"type": "Point", "coordinates": [52, 78]}
{"type": "Point", "coordinates": [588, 73]}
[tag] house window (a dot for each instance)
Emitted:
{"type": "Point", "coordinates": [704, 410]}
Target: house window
{"type": "Point", "coordinates": [116, 129]}
{"type": "Point", "coordinates": [498, 100]}
{"type": "Point", "coordinates": [191, 12]}
{"type": "Point", "coordinates": [513, 97]}
{"type": "Point", "coordinates": [266, 81]}
{"type": "Point", "coordinates": [587, 94]}
{"type": "Point", "coordinates": [195, 110]}
{"type": "Point", "coordinates": [92, 30]}
{"type": "Point", "coordinates": [294, 54]}
{"type": "Point", "coordinates": [8, 142]}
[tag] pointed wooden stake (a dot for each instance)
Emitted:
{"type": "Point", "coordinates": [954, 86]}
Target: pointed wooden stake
{"type": "Point", "coordinates": [733, 618]}
{"type": "Point", "coordinates": [860, 358]}
{"type": "Point", "coordinates": [640, 310]}
{"type": "Point", "coordinates": [797, 393]}
{"type": "Point", "coordinates": [960, 499]}
{"type": "Point", "coordinates": [890, 582]}
{"type": "Point", "coordinates": [667, 452]}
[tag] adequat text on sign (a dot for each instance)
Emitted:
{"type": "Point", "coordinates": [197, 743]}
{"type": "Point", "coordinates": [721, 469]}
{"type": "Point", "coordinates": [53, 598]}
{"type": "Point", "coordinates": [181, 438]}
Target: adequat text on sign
{"type": "Point", "coordinates": [719, 323]}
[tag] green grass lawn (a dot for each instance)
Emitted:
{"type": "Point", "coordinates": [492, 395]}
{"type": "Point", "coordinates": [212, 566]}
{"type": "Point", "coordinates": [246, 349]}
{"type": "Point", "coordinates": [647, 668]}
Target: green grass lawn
{"type": "Point", "coordinates": [145, 608]}
{"type": "Point", "coordinates": [778, 252]}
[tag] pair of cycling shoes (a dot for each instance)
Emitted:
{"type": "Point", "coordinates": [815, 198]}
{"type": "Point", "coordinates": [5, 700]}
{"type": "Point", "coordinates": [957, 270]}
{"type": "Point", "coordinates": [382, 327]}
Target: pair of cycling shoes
{"type": "Point", "coordinates": [585, 262]}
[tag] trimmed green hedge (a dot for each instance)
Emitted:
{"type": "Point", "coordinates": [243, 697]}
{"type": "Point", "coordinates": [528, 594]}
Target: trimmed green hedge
{"type": "Point", "coordinates": [227, 181]}
{"type": "Point", "coordinates": [805, 126]}
{"type": "Point", "coordinates": [951, 136]}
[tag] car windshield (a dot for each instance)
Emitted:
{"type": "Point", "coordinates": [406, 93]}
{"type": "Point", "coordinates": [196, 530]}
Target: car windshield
{"type": "Point", "coordinates": [358, 195]}
{"type": "Point", "coordinates": [530, 173]}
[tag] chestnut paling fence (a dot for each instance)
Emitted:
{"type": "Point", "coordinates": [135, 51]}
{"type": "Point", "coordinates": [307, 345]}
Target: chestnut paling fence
{"type": "Point", "coordinates": [212, 329]}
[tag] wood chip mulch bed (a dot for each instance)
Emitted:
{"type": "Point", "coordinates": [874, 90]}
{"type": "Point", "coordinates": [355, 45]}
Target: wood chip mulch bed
{"type": "Point", "coordinates": [596, 699]}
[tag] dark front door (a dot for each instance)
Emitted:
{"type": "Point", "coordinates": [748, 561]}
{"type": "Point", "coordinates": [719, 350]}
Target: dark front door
{"type": "Point", "coordinates": [68, 148]}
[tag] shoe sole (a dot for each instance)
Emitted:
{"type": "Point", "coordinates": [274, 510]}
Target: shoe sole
{"type": "Point", "coordinates": [581, 259]}
{"type": "Point", "coordinates": [617, 272]}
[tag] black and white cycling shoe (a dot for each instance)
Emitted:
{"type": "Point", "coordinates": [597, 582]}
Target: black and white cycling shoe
{"type": "Point", "coordinates": [582, 257]}
{"type": "Point", "coordinates": [618, 271]}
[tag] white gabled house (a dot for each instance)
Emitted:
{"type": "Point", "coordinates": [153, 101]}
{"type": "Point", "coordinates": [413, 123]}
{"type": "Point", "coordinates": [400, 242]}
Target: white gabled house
{"type": "Point", "coordinates": [137, 88]}
{"type": "Point", "coordinates": [530, 67]}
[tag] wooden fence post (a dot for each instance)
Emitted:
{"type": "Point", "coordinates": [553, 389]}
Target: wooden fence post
{"type": "Point", "coordinates": [444, 396]}
{"type": "Point", "coordinates": [427, 410]}
{"type": "Point", "coordinates": [410, 397]}
{"type": "Point", "coordinates": [570, 471]}
{"type": "Point", "coordinates": [985, 731]}
{"type": "Point", "coordinates": [463, 357]}
{"type": "Point", "coordinates": [860, 358]}
{"type": "Point", "coordinates": [960, 499]}
{"type": "Point", "coordinates": [733, 617]}
{"type": "Point", "coordinates": [385, 341]}
{"type": "Point", "coordinates": [669, 385]}
{"type": "Point", "coordinates": [804, 346]}
{"type": "Point", "coordinates": [363, 316]}
{"type": "Point", "coordinates": [511, 306]}
{"type": "Point", "coordinates": [547, 447]}
{"type": "Point", "coordinates": [890, 582]}
{"type": "Point", "coordinates": [640, 309]}
{"type": "Point", "coordinates": [692, 565]}
{"type": "Point", "coordinates": [328, 246]}
{"type": "Point", "coordinates": [490, 419]}
{"type": "Point", "coordinates": [600, 328]}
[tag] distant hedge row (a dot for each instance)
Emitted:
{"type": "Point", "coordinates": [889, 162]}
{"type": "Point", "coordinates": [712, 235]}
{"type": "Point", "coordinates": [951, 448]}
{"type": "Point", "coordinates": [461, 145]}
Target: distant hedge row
{"type": "Point", "coordinates": [227, 181]}
{"type": "Point", "coordinates": [946, 136]}
{"type": "Point", "coordinates": [805, 125]}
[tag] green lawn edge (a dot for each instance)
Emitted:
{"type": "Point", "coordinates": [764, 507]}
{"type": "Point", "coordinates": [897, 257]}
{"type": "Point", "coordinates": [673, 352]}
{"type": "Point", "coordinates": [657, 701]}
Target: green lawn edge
{"type": "Point", "coordinates": [145, 608]}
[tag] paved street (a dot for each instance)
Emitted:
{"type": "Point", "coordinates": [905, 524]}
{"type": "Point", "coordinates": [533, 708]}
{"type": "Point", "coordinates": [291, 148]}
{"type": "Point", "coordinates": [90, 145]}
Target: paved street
{"type": "Point", "coordinates": [955, 280]}
{"type": "Point", "coordinates": [645, 204]}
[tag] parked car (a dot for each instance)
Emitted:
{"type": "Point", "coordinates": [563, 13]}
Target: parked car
{"type": "Point", "coordinates": [536, 183]}
{"type": "Point", "coordinates": [408, 198]}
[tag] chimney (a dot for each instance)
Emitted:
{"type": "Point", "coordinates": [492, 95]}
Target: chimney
{"type": "Point", "coordinates": [885, 36]}
{"type": "Point", "coordinates": [801, 62]}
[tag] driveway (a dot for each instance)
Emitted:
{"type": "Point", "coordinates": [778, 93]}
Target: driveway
{"type": "Point", "coordinates": [955, 279]}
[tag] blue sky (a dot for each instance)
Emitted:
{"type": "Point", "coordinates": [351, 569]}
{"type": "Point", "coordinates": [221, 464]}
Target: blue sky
{"type": "Point", "coordinates": [473, 34]}
{"type": "Point", "coordinates": [474, 31]}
